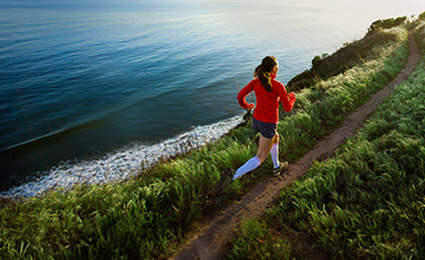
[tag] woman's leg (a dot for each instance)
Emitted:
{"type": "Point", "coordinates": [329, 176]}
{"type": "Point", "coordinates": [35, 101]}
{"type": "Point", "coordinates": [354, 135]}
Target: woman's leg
{"type": "Point", "coordinates": [274, 151]}
{"type": "Point", "coordinates": [250, 165]}
{"type": "Point", "coordinates": [262, 153]}
{"type": "Point", "coordinates": [265, 146]}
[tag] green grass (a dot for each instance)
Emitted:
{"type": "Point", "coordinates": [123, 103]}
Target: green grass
{"type": "Point", "coordinates": [367, 201]}
{"type": "Point", "coordinates": [256, 241]}
{"type": "Point", "coordinates": [148, 217]}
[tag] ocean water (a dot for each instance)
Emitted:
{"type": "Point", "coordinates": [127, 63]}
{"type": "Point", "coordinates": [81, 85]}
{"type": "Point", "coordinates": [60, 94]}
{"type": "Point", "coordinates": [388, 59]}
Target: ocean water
{"type": "Point", "coordinates": [93, 90]}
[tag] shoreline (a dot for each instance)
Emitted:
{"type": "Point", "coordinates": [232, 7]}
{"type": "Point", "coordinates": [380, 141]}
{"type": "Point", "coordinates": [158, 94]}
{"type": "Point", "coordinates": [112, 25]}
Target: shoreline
{"type": "Point", "coordinates": [120, 164]}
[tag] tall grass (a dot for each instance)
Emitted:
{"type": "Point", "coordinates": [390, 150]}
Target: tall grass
{"type": "Point", "coordinates": [148, 217]}
{"type": "Point", "coordinates": [367, 201]}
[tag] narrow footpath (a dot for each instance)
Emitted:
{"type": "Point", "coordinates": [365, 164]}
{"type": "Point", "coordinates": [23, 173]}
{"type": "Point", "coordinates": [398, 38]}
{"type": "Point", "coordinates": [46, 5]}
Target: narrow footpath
{"type": "Point", "coordinates": [212, 240]}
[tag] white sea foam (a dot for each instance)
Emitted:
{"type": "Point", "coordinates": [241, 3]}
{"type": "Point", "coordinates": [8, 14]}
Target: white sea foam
{"type": "Point", "coordinates": [121, 164]}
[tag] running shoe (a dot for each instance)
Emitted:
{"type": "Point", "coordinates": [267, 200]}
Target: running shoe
{"type": "Point", "coordinates": [282, 167]}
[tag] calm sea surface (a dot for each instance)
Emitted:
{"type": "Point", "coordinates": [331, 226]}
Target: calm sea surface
{"type": "Point", "coordinates": [84, 79]}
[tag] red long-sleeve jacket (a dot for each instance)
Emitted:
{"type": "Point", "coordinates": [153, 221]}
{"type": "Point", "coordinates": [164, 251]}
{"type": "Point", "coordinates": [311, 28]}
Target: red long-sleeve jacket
{"type": "Point", "coordinates": [267, 108]}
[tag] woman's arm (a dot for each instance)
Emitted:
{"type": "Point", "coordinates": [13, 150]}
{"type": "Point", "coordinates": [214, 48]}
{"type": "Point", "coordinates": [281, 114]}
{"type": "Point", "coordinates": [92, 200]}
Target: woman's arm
{"type": "Point", "coordinates": [287, 101]}
{"type": "Point", "coordinates": [242, 95]}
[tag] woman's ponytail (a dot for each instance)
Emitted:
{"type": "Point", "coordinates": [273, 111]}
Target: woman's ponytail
{"type": "Point", "coordinates": [263, 72]}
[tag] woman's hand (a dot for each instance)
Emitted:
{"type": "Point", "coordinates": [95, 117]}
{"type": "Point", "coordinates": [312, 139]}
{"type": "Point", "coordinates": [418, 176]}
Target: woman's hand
{"type": "Point", "coordinates": [250, 106]}
{"type": "Point", "coordinates": [292, 95]}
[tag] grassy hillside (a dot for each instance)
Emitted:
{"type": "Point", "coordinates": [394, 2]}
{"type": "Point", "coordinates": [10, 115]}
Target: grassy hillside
{"type": "Point", "coordinates": [350, 55]}
{"type": "Point", "coordinates": [367, 201]}
{"type": "Point", "coordinates": [149, 216]}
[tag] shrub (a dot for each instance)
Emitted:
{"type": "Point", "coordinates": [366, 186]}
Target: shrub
{"type": "Point", "coordinates": [386, 24]}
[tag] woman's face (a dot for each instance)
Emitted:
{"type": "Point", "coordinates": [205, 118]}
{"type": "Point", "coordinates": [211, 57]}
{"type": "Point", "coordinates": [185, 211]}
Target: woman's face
{"type": "Point", "coordinates": [275, 69]}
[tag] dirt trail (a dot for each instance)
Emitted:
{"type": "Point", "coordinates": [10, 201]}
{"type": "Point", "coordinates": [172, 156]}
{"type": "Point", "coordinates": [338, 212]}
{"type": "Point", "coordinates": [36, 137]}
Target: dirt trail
{"type": "Point", "coordinates": [211, 242]}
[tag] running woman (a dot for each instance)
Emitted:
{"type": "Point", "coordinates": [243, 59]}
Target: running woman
{"type": "Point", "coordinates": [268, 92]}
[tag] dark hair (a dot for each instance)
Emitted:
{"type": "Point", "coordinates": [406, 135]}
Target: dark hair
{"type": "Point", "coordinates": [262, 72]}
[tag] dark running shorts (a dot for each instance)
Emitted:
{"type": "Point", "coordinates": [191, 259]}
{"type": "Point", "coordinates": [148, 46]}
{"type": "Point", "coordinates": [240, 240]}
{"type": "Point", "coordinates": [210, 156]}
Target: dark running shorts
{"type": "Point", "coordinates": [268, 130]}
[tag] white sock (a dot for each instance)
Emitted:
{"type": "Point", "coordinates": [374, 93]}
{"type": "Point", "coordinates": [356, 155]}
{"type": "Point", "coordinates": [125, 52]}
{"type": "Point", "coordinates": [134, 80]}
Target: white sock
{"type": "Point", "coordinates": [274, 152]}
{"type": "Point", "coordinates": [250, 165]}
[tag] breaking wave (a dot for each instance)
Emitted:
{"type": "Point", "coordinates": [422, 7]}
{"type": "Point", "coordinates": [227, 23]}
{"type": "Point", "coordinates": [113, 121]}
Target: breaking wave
{"type": "Point", "coordinates": [121, 164]}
